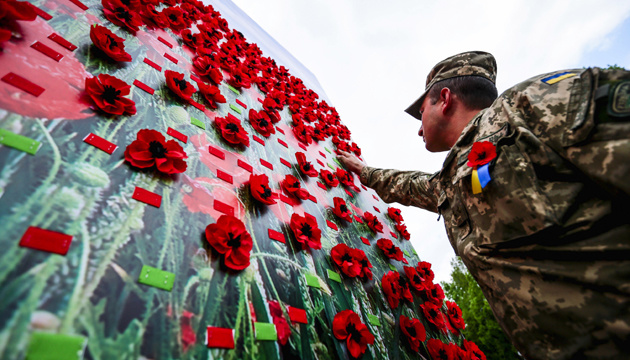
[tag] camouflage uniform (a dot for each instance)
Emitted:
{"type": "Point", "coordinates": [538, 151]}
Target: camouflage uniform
{"type": "Point", "coordinates": [548, 239]}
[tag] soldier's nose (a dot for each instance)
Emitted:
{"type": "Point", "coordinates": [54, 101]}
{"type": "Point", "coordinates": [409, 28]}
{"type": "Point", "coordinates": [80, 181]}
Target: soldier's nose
{"type": "Point", "coordinates": [421, 132]}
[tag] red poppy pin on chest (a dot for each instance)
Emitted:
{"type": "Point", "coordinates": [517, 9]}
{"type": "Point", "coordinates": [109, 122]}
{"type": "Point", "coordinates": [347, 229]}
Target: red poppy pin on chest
{"type": "Point", "coordinates": [479, 158]}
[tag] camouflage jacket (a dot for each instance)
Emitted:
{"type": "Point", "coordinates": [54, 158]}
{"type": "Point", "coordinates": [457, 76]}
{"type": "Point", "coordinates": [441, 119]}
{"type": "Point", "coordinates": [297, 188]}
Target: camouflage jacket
{"type": "Point", "coordinates": [548, 238]}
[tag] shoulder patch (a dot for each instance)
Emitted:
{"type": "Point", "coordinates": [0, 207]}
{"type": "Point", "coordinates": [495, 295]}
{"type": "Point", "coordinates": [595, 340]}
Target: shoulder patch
{"type": "Point", "coordinates": [619, 99]}
{"type": "Point", "coordinates": [557, 77]}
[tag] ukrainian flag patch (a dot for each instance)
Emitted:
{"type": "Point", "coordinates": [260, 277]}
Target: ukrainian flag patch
{"type": "Point", "coordinates": [557, 77]}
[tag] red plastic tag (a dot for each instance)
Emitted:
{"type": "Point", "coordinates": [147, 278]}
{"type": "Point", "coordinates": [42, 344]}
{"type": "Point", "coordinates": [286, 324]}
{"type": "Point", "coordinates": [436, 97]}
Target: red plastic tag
{"type": "Point", "coordinates": [283, 143]}
{"type": "Point", "coordinates": [223, 207]}
{"type": "Point", "coordinates": [349, 193]}
{"type": "Point", "coordinates": [332, 225]}
{"type": "Point", "coordinates": [81, 5]}
{"type": "Point", "coordinates": [280, 130]}
{"type": "Point", "coordinates": [358, 219]}
{"type": "Point", "coordinates": [194, 78]}
{"type": "Point", "coordinates": [216, 152]}
{"type": "Point", "coordinates": [143, 86]}
{"type": "Point", "coordinates": [259, 140]}
{"type": "Point", "coordinates": [44, 15]}
{"type": "Point", "coordinates": [197, 105]}
{"type": "Point", "coordinates": [165, 42]}
{"type": "Point", "coordinates": [152, 64]}
{"type": "Point", "coordinates": [147, 197]}
{"type": "Point", "coordinates": [217, 337]}
{"type": "Point", "coordinates": [365, 241]}
{"type": "Point", "coordinates": [23, 84]}
{"type": "Point", "coordinates": [394, 235]}
{"type": "Point", "coordinates": [363, 186]}
{"type": "Point", "coordinates": [46, 240]}
{"type": "Point", "coordinates": [47, 51]}
{"type": "Point", "coordinates": [241, 103]}
{"type": "Point", "coordinates": [312, 198]}
{"type": "Point", "coordinates": [177, 135]}
{"type": "Point", "coordinates": [405, 261]}
{"type": "Point", "coordinates": [320, 163]}
{"type": "Point", "coordinates": [100, 143]}
{"type": "Point", "coordinates": [244, 165]}
{"type": "Point", "coordinates": [266, 164]}
{"type": "Point", "coordinates": [168, 56]}
{"type": "Point", "coordinates": [285, 163]}
{"type": "Point", "coordinates": [297, 315]}
{"type": "Point", "coordinates": [224, 176]}
{"type": "Point", "coordinates": [275, 235]}
{"type": "Point", "coordinates": [321, 185]}
{"type": "Point", "coordinates": [61, 41]}
{"type": "Point", "coordinates": [260, 100]}
{"type": "Point", "coordinates": [322, 154]}
{"type": "Point", "coordinates": [376, 209]}
{"type": "Point", "coordinates": [302, 146]}
{"type": "Point", "coordinates": [286, 200]}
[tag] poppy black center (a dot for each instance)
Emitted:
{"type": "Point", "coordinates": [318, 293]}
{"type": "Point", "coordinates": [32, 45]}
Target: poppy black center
{"type": "Point", "coordinates": [112, 42]}
{"type": "Point", "coordinates": [296, 184]}
{"type": "Point", "coordinates": [110, 94]}
{"type": "Point", "coordinates": [343, 208]}
{"type": "Point", "coordinates": [232, 127]}
{"type": "Point", "coordinates": [182, 84]}
{"type": "Point", "coordinates": [417, 279]}
{"type": "Point", "coordinates": [412, 331]}
{"type": "Point", "coordinates": [157, 149]}
{"type": "Point", "coordinates": [306, 166]}
{"type": "Point", "coordinates": [235, 241]}
{"type": "Point", "coordinates": [443, 355]}
{"type": "Point", "coordinates": [346, 257]}
{"type": "Point", "coordinates": [330, 177]}
{"type": "Point", "coordinates": [353, 332]}
{"type": "Point", "coordinates": [266, 191]}
{"type": "Point", "coordinates": [481, 155]}
{"type": "Point", "coordinates": [122, 13]}
{"type": "Point", "coordinates": [392, 250]}
{"type": "Point", "coordinates": [263, 123]}
{"type": "Point", "coordinates": [173, 17]}
{"type": "Point", "coordinates": [307, 230]}
{"type": "Point", "coordinates": [432, 313]}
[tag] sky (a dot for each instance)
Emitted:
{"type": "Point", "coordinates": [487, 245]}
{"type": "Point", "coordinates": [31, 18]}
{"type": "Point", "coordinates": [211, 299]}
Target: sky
{"type": "Point", "coordinates": [372, 57]}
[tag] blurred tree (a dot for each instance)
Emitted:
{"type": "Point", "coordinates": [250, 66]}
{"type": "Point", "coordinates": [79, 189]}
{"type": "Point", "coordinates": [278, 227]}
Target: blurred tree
{"type": "Point", "coordinates": [481, 326]}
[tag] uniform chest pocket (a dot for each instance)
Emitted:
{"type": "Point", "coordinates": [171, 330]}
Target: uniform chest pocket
{"type": "Point", "coordinates": [456, 220]}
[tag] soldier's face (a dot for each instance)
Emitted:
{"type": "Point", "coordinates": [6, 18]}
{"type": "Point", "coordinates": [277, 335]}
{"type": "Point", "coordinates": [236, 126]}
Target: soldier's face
{"type": "Point", "coordinates": [429, 128]}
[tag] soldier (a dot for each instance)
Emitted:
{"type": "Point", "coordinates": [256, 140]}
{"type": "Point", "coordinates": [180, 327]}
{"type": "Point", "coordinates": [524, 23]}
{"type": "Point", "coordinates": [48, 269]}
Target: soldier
{"type": "Point", "coordinates": [534, 193]}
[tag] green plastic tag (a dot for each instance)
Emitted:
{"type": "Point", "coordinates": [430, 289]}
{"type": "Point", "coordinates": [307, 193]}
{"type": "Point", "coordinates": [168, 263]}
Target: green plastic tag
{"type": "Point", "coordinates": [235, 108]}
{"type": "Point", "coordinates": [312, 281]}
{"type": "Point", "coordinates": [374, 320]}
{"type": "Point", "coordinates": [327, 149]}
{"type": "Point", "coordinates": [155, 277]}
{"type": "Point", "coordinates": [406, 252]}
{"type": "Point", "coordinates": [392, 267]}
{"type": "Point", "coordinates": [337, 161]}
{"type": "Point", "coordinates": [19, 142]}
{"type": "Point", "coordinates": [234, 90]}
{"type": "Point", "coordinates": [49, 346]}
{"type": "Point", "coordinates": [330, 166]}
{"type": "Point", "coordinates": [265, 331]}
{"type": "Point", "coordinates": [414, 251]}
{"type": "Point", "coordinates": [333, 275]}
{"type": "Point", "coordinates": [197, 123]}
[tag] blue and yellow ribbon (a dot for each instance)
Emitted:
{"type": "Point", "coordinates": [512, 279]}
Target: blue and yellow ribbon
{"type": "Point", "coordinates": [480, 178]}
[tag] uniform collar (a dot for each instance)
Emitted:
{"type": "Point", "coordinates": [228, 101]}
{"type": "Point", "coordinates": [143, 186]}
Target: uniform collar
{"type": "Point", "coordinates": [464, 140]}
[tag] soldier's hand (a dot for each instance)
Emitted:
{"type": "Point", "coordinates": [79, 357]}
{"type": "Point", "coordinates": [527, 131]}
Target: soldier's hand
{"type": "Point", "coordinates": [350, 162]}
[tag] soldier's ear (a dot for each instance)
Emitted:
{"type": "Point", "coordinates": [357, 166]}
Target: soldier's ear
{"type": "Point", "coordinates": [446, 100]}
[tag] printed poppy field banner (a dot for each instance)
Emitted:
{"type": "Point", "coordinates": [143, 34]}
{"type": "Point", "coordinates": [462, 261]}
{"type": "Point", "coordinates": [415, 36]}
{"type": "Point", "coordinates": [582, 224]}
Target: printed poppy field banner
{"type": "Point", "coordinates": [169, 189]}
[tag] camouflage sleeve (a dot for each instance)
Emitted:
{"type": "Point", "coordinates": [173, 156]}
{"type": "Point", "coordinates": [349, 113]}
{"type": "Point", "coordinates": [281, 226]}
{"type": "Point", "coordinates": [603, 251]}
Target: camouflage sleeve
{"type": "Point", "coordinates": [405, 187]}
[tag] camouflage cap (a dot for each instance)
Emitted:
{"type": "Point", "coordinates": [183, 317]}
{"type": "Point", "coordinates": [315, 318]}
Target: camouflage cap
{"type": "Point", "coordinates": [470, 63]}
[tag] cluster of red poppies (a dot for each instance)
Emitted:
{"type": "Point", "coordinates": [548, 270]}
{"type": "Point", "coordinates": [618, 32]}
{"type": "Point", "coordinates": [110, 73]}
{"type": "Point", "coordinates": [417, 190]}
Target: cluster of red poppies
{"type": "Point", "coordinates": [395, 288]}
{"type": "Point", "coordinates": [352, 262]}
{"type": "Point", "coordinates": [373, 222]}
{"type": "Point", "coordinates": [396, 216]}
{"type": "Point", "coordinates": [440, 350]}
{"type": "Point", "coordinates": [389, 249]}
{"type": "Point", "coordinates": [347, 325]}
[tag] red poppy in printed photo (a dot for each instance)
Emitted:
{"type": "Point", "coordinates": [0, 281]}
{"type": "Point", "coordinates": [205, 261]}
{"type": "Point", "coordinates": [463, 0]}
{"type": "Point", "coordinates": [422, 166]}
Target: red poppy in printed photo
{"type": "Point", "coordinates": [204, 66]}
{"type": "Point", "coordinates": [189, 338]}
{"type": "Point", "coordinates": [108, 94]}
{"type": "Point", "coordinates": [347, 326]}
{"type": "Point", "coordinates": [455, 321]}
{"type": "Point", "coordinates": [329, 178]}
{"type": "Point", "coordinates": [10, 11]}
{"type": "Point", "coordinates": [231, 130]}
{"type": "Point", "coordinates": [292, 186]}
{"type": "Point", "coordinates": [259, 187]}
{"type": "Point", "coordinates": [261, 122]}
{"type": "Point", "coordinates": [306, 231]}
{"type": "Point", "coordinates": [402, 229]}
{"type": "Point", "coordinates": [305, 166]}
{"type": "Point", "coordinates": [482, 152]}
{"type": "Point", "coordinates": [229, 237]}
{"type": "Point", "coordinates": [433, 314]}
{"type": "Point", "coordinates": [151, 149]}
{"type": "Point", "coordinates": [424, 270]}
{"type": "Point", "coordinates": [395, 214]}
{"type": "Point", "coordinates": [372, 222]}
{"type": "Point", "coordinates": [182, 88]}
{"type": "Point", "coordinates": [473, 351]}
{"type": "Point", "coordinates": [111, 44]}
{"type": "Point", "coordinates": [282, 326]}
{"type": "Point", "coordinates": [119, 14]}
{"type": "Point", "coordinates": [341, 209]}
{"type": "Point", "coordinates": [439, 350]}
{"type": "Point", "coordinates": [389, 249]}
{"type": "Point", "coordinates": [391, 288]}
{"type": "Point", "coordinates": [414, 332]}
{"type": "Point", "coordinates": [212, 94]}
{"type": "Point", "coordinates": [344, 257]}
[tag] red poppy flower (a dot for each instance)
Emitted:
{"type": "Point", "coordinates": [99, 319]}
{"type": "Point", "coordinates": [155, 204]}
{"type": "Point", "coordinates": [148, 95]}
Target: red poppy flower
{"type": "Point", "coordinates": [416, 281]}
{"type": "Point", "coordinates": [372, 222]}
{"type": "Point", "coordinates": [229, 237]}
{"type": "Point", "coordinates": [424, 270]}
{"type": "Point", "coordinates": [344, 257]}
{"type": "Point", "coordinates": [346, 178]}
{"type": "Point", "coordinates": [274, 116]}
{"type": "Point", "coordinates": [341, 209]}
{"type": "Point", "coordinates": [366, 265]}
{"type": "Point", "coordinates": [231, 130]}
{"type": "Point", "coordinates": [259, 187]}
{"type": "Point", "coordinates": [151, 149]}
{"type": "Point", "coordinates": [395, 214]}
{"type": "Point", "coordinates": [175, 17]}
{"type": "Point", "coordinates": [212, 94]}
{"type": "Point", "coordinates": [306, 231]}
{"type": "Point", "coordinates": [482, 152]}
{"type": "Point", "coordinates": [204, 66]}
{"type": "Point", "coordinates": [458, 353]}
{"type": "Point", "coordinates": [329, 178]}
{"type": "Point", "coordinates": [414, 332]}
{"type": "Point", "coordinates": [389, 249]}
{"type": "Point", "coordinates": [439, 350]}
{"type": "Point", "coordinates": [282, 326]}
{"type": "Point", "coordinates": [434, 293]}
{"type": "Point", "coordinates": [392, 289]}
{"type": "Point", "coordinates": [292, 186]}
{"type": "Point", "coordinates": [261, 123]}
{"type": "Point", "coordinates": [112, 45]}
{"type": "Point", "coordinates": [107, 92]}
{"type": "Point", "coordinates": [402, 229]}
{"type": "Point", "coordinates": [455, 321]}
{"type": "Point", "coordinates": [182, 88]}
{"type": "Point", "coordinates": [239, 79]}
{"type": "Point", "coordinates": [302, 133]}
{"type": "Point", "coordinates": [305, 166]}
{"type": "Point", "coordinates": [473, 351]}
{"type": "Point", "coordinates": [119, 14]}
{"type": "Point", "coordinates": [189, 337]}
{"type": "Point", "coordinates": [433, 314]}
{"type": "Point", "coordinates": [153, 18]}
{"type": "Point", "coordinates": [347, 326]}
